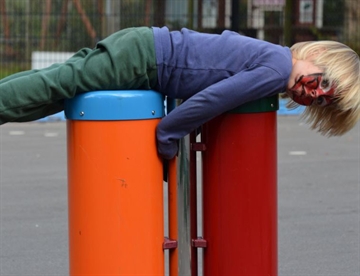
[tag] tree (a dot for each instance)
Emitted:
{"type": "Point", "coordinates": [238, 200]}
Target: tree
{"type": "Point", "coordinates": [352, 23]}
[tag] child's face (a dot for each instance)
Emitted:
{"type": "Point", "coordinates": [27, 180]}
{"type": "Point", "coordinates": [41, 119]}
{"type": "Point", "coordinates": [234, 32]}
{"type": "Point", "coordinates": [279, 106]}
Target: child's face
{"type": "Point", "coordinates": [307, 86]}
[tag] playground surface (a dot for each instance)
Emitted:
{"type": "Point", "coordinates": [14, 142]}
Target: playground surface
{"type": "Point", "coordinates": [318, 199]}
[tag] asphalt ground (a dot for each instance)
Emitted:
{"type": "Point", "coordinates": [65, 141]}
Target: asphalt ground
{"type": "Point", "coordinates": [318, 199]}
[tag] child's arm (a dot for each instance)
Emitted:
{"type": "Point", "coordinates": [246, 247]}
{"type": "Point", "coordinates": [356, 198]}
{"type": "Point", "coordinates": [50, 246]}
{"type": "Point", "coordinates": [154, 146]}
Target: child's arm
{"type": "Point", "coordinates": [223, 96]}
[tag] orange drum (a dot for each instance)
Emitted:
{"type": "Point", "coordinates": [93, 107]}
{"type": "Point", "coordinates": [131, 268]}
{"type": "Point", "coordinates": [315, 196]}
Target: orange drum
{"type": "Point", "coordinates": [115, 183]}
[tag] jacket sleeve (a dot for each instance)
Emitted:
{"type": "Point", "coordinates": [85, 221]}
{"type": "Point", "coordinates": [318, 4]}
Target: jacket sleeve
{"type": "Point", "coordinates": [216, 99]}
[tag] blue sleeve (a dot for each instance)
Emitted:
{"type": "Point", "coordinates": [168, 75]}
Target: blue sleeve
{"type": "Point", "coordinates": [248, 85]}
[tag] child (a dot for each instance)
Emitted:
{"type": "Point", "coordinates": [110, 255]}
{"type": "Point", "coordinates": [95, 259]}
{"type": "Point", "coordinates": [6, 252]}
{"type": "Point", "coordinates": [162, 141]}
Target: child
{"type": "Point", "coordinates": [212, 73]}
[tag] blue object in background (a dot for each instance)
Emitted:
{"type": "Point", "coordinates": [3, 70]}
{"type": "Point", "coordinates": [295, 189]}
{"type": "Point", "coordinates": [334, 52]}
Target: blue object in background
{"type": "Point", "coordinates": [285, 111]}
{"type": "Point", "coordinates": [54, 118]}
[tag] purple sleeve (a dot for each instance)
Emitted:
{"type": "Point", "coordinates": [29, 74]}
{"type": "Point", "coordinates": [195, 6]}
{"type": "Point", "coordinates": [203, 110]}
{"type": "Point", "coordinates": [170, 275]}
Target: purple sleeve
{"type": "Point", "coordinates": [216, 99]}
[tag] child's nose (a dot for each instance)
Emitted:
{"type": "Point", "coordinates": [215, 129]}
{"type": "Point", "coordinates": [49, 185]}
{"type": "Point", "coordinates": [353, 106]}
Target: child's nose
{"type": "Point", "coordinates": [313, 93]}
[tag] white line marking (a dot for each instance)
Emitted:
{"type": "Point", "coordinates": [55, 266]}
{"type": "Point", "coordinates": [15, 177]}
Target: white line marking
{"type": "Point", "coordinates": [16, 132]}
{"type": "Point", "coordinates": [297, 152]}
{"type": "Point", "coordinates": [51, 134]}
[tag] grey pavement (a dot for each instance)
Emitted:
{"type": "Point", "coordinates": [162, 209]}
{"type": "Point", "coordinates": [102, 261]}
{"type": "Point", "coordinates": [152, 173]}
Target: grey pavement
{"type": "Point", "coordinates": [319, 200]}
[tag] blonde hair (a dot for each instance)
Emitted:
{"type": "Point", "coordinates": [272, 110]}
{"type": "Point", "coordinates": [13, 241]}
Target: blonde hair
{"type": "Point", "coordinates": [342, 68]}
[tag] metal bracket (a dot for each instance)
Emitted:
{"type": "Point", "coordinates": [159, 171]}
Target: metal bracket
{"type": "Point", "coordinates": [199, 242]}
{"type": "Point", "coordinates": [197, 147]}
{"type": "Point", "coordinates": [169, 244]}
